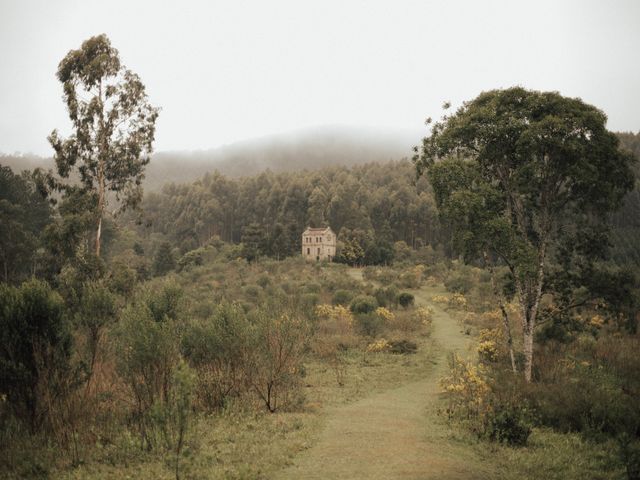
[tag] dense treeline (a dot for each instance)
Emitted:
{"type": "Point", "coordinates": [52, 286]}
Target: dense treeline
{"type": "Point", "coordinates": [625, 235]}
{"type": "Point", "coordinates": [369, 206]}
{"type": "Point", "coordinates": [24, 213]}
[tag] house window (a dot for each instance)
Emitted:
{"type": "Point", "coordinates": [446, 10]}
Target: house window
{"type": "Point", "coordinates": [308, 251]}
{"type": "Point", "coordinates": [318, 251]}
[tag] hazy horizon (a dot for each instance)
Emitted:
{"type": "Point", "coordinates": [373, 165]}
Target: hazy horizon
{"type": "Point", "coordinates": [410, 137]}
{"type": "Point", "coordinates": [226, 72]}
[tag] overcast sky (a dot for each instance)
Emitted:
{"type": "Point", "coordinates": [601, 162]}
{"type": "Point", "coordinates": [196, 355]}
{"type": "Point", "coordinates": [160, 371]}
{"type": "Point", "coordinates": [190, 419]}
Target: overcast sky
{"type": "Point", "coordinates": [226, 71]}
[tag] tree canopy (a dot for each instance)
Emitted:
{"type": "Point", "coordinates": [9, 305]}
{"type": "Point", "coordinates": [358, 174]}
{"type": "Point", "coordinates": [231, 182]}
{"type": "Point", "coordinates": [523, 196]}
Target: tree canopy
{"type": "Point", "coordinates": [514, 169]}
{"type": "Point", "coordinates": [113, 126]}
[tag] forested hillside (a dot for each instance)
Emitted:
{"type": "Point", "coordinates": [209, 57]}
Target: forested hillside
{"type": "Point", "coordinates": [376, 204]}
{"type": "Point", "coordinates": [371, 206]}
{"type": "Point", "coordinates": [625, 235]}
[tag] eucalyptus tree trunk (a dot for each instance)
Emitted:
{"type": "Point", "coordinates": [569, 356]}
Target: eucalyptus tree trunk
{"type": "Point", "coordinates": [530, 293]}
{"type": "Point", "coordinates": [505, 316]}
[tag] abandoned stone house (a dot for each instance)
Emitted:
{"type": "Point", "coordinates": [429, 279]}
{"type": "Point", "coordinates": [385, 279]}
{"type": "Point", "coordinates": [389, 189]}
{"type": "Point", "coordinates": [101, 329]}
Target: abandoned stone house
{"type": "Point", "coordinates": [318, 244]}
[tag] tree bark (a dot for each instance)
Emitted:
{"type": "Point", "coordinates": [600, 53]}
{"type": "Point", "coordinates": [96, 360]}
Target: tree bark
{"type": "Point", "coordinates": [101, 158]}
{"type": "Point", "coordinates": [505, 316]}
{"type": "Point", "coordinates": [98, 234]}
{"type": "Point", "coordinates": [528, 349]}
{"type": "Point", "coordinates": [530, 296]}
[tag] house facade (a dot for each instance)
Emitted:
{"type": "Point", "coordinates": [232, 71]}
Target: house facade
{"type": "Point", "coordinates": [318, 244]}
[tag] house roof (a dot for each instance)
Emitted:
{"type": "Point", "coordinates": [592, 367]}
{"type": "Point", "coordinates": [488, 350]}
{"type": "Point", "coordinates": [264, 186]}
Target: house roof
{"type": "Point", "coordinates": [317, 230]}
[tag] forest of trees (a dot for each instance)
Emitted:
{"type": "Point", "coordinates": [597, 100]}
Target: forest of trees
{"type": "Point", "coordinates": [374, 205]}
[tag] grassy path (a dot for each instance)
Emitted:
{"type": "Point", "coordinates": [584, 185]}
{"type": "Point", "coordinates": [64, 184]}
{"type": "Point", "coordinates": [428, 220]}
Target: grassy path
{"type": "Point", "coordinates": [395, 434]}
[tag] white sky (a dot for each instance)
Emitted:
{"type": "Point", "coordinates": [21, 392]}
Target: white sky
{"type": "Point", "coordinates": [226, 71]}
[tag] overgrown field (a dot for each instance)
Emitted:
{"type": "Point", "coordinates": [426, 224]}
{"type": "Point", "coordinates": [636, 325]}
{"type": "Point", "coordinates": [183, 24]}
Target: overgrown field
{"type": "Point", "coordinates": [223, 370]}
{"type": "Point", "coordinates": [579, 418]}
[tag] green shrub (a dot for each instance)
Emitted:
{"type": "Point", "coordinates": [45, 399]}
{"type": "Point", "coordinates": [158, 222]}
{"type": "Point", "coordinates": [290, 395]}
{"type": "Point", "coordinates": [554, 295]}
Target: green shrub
{"type": "Point", "coordinates": [163, 260]}
{"type": "Point", "coordinates": [36, 345]}
{"type": "Point", "coordinates": [363, 304]}
{"type": "Point", "coordinates": [215, 348]}
{"type": "Point", "coordinates": [146, 349]}
{"type": "Point", "coordinates": [629, 452]}
{"type": "Point", "coordinates": [313, 288]}
{"type": "Point", "coordinates": [276, 377]}
{"type": "Point", "coordinates": [342, 297]}
{"type": "Point", "coordinates": [122, 279]}
{"type": "Point", "coordinates": [191, 259]}
{"type": "Point", "coordinates": [309, 300]}
{"type": "Point", "coordinates": [263, 281]}
{"type": "Point", "coordinates": [405, 299]}
{"type": "Point", "coordinates": [165, 302]}
{"type": "Point", "coordinates": [591, 402]}
{"type": "Point", "coordinates": [509, 424]}
{"type": "Point", "coordinates": [386, 296]}
{"type": "Point", "coordinates": [252, 292]}
{"type": "Point", "coordinates": [459, 282]}
{"type": "Point", "coordinates": [369, 324]}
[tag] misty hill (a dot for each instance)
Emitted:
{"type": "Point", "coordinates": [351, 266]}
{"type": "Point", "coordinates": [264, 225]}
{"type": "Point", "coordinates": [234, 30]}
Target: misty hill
{"type": "Point", "coordinates": [309, 149]}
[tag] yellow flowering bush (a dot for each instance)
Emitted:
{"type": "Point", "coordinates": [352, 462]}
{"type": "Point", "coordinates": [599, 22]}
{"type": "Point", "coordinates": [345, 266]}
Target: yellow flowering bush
{"type": "Point", "coordinates": [423, 316]}
{"type": "Point", "coordinates": [490, 344]}
{"type": "Point", "coordinates": [488, 351]}
{"type": "Point", "coordinates": [381, 345]}
{"type": "Point", "coordinates": [323, 310]}
{"type": "Point", "coordinates": [492, 317]}
{"type": "Point", "coordinates": [494, 335]}
{"type": "Point", "coordinates": [597, 321]}
{"type": "Point", "coordinates": [386, 314]}
{"type": "Point", "coordinates": [512, 308]}
{"type": "Point", "coordinates": [343, 314]}
{"type": "Point", "coordinates": [467, 390]}
{"type": "Point", "coordinates": [413, 277]}
{"type": "Point", "coordinates": [458, 301]}
{"type": "Point", "coordinates": [339, 313]}
{"type": "Point", "coordinates": [440, 299]}
{"type": "Point", "coordinates": [473, 402]}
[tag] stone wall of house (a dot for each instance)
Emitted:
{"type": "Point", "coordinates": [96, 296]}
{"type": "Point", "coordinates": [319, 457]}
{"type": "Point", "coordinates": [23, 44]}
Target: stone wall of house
{"type": "Point", "coordinates": [318, 244]}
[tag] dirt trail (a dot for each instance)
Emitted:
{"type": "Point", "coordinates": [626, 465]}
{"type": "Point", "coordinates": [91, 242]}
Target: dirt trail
{"type": "Point", "coordinates": [395, 434]}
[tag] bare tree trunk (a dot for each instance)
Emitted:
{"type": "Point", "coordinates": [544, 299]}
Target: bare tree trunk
{"type": "Point", "coordinates": [101, 182]}
{"type": "Point", "coordinates": [530, 296]}
{"type": "Point", "coordinates": [528, 350]}
{"type": "Point", "coordinates": [98, 234]}
{"type": "Point", "coordinates": [505, 315]}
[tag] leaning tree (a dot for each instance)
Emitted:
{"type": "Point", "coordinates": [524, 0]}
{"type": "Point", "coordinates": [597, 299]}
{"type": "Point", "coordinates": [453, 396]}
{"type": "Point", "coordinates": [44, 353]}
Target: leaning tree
{"type": "Point", "coordinates": [113, 126]}
{"type": "Point", "coordinates": [513, 170]}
